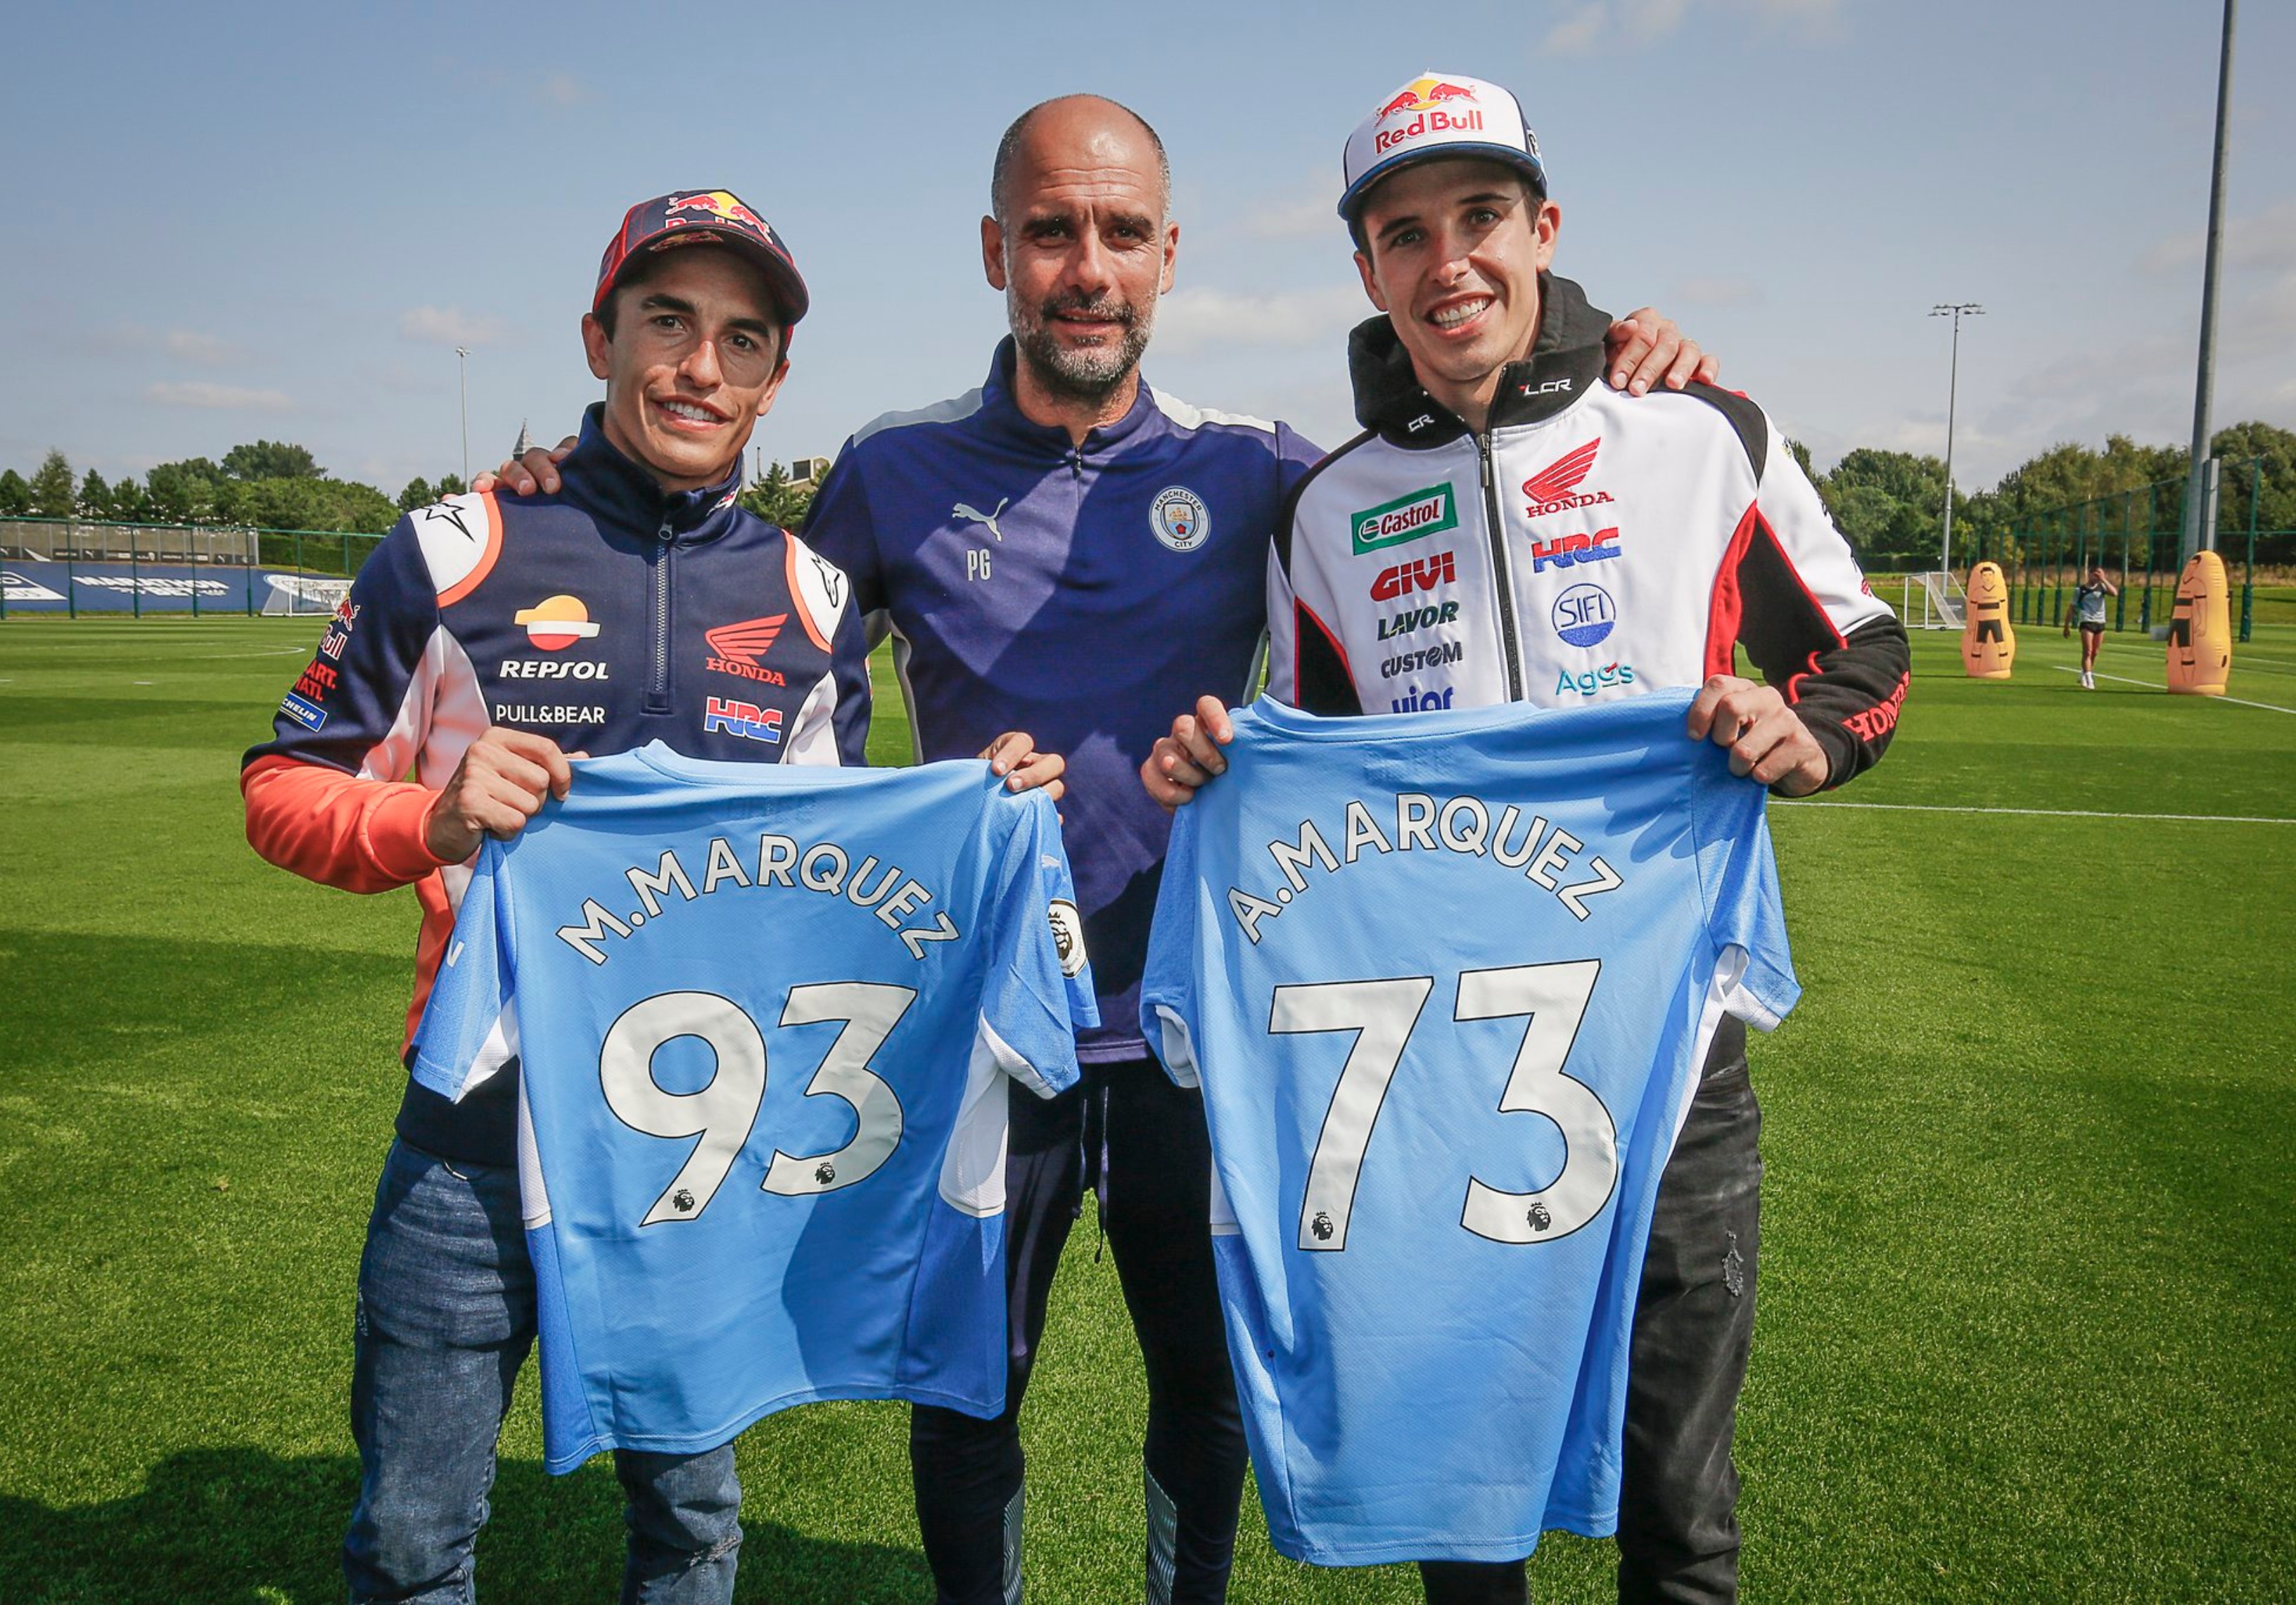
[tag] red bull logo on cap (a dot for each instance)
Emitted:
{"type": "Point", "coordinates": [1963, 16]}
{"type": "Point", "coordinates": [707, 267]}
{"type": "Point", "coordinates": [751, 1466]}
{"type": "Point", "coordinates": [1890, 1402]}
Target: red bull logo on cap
{"type": "Point", "coordinates": [1441, 107]}
{"type": "Point", "coordinates": [717, 203]}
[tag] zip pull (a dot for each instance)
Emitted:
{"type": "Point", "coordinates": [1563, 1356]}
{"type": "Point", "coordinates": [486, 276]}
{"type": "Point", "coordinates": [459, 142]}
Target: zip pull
{"type": "Point", "coordinates": [1501, 571]}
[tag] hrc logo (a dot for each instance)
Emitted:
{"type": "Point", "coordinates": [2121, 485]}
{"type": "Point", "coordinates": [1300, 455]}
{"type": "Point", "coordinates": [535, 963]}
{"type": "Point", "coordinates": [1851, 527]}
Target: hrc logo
{"type": "Point", "coordinates": [743, 719]}
{"type": "Point", "coordinates": [1565, 550]}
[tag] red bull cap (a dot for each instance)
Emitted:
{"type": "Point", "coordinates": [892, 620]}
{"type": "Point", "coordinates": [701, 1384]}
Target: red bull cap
{"type": "Point", "coordinates": [1438, 114]}
{"type": "Point", "coordinates": [703, 217]}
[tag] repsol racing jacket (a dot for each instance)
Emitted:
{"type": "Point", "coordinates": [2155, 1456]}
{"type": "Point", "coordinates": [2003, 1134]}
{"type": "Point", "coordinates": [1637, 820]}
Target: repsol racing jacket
{"type": "Point", "coordinates": [1592, 544]}
{"type": "Point", "coordinates": [603, 616]}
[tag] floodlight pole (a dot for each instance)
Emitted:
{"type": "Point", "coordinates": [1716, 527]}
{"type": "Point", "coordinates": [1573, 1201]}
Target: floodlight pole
{"type": "Point", "coordinates": [462, 377]}
{"type": "Point", "coordinates": [2200, 527]}
{"type": "Point", "coordinates": [1956, 310]}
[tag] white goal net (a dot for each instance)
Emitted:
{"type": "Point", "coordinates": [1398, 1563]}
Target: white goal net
{"type": "Point", "coordinates": [303, 593]}
{"type": "Point", "coordinates": [1933, 602]}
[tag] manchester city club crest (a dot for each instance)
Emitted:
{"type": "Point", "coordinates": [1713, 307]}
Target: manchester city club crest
{"type": "Point", "coordinates": [1179, 518]}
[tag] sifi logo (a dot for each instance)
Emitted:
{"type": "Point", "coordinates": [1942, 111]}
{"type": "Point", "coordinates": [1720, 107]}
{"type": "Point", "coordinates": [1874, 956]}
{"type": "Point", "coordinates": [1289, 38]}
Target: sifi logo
{"type": "Point", "coordinates": [1552, 488]}
{"type": "Point", "coordinates": [1406, 519]}
{"type": "Point", "coordinates": [717, 203]}
{"type": "Point", "coordinates": [1584, 615]}
{"type": "Point", "coordinates": [555, 623]}
{"type": "Point", "coordinates": [735, 648]}
{"type": "Point", "coordinates": [743, 719]}
{"type": "Point", "coordinates": [1565, 550]}
{"type": "Point", "coordinates": [1609, 677]}
{"type": "Point", "coordinates": [1421, 574]}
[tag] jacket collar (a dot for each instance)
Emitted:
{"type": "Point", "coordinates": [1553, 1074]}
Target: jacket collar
{"type": "Point", "coordinates": [1565, 363]}
{"type": "Point", "coordinates": [625, 496]}
{"type": "Point", "coordinates": [1000, 407]}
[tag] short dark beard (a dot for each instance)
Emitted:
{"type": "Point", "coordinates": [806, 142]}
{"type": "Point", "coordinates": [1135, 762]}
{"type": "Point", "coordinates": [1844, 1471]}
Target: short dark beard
{"type": "Point", "coordinates": [1087, 376]}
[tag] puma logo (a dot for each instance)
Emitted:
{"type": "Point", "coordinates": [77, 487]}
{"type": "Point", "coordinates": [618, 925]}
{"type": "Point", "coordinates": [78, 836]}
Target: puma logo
{"type": "Point", "coordinates": [989, 519]}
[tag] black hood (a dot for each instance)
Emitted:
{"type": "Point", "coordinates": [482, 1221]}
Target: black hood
{"type": "Point", "coordinates": [1565, 360]}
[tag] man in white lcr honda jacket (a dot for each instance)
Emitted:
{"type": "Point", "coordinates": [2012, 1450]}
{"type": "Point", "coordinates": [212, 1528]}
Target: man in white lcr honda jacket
{"type": "Point", "coordinates": [1508, 529]}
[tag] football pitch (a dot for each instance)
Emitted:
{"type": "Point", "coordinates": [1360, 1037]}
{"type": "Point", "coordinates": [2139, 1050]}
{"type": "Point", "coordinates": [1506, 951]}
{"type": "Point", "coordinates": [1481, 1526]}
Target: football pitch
{"type": "Point", "coordinates": [2028, 1276]}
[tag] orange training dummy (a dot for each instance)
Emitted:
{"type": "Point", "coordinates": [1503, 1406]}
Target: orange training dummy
{"type": "Point", "coordinates": [1989, 645]}
{"type": "Point", "coordinates": [2199, 631]}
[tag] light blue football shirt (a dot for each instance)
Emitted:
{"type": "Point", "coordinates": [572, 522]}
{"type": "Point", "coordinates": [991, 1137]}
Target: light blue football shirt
{"type": "Point", "coordinates": [763, 1017]}
{"type": "Point", "coordinates": [1447, 982]}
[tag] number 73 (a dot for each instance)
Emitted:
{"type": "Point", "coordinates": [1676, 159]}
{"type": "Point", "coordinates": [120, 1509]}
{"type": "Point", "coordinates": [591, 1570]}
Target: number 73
{"type": "Point", "coordinates": [1551, 999]}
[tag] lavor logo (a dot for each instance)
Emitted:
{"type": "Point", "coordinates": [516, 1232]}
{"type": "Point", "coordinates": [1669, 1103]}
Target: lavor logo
{"type": "Point", "coordinates": [1406, 519]}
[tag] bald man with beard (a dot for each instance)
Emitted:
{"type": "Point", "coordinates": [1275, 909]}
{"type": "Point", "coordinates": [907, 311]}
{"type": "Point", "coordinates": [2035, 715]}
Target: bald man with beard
{"type": "Point", "coordinates": [1068, 541]}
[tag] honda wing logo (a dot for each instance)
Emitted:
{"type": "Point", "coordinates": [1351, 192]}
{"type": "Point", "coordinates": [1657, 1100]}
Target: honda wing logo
{"type": "Point", "coordinates": [734, 649]}
{"type": "Point", "coordinates": [1554, 489]}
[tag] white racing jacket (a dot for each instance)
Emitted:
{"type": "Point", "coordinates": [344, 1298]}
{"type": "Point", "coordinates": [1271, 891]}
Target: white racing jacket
{"type": "Point", "coordinates": [1591, 545]}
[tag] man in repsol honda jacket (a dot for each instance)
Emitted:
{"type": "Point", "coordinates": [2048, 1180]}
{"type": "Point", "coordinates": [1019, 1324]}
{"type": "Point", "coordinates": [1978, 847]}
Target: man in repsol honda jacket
{"type": "Point", "coordinates": [482, 644]}
{"type": "Point", "coordinates": [1508, 529]}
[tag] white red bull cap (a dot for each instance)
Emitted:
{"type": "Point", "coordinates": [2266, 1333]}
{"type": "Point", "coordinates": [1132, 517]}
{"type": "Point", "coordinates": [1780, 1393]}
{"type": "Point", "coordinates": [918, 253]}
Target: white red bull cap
{"type": "Point", "coordinates": [1439, 114]}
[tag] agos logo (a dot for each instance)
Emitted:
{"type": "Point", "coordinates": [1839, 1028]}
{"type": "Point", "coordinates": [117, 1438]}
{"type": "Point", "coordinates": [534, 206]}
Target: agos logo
{"type": "Point", "coordinates": [1609, 677]}
{"type": "Point", "coordinates": [1421, 574]}
{"type": "Point", "coordinates": [1554, 489]}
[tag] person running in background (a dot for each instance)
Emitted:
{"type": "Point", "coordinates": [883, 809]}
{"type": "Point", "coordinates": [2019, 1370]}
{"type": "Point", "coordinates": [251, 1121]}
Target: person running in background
{"type": "Point", "coordinates": [2088, 611]}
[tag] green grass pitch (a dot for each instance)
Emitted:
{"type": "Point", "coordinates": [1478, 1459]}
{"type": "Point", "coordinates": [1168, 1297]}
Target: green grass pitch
{"type": "Point", "coordinates": [2028, 1278]}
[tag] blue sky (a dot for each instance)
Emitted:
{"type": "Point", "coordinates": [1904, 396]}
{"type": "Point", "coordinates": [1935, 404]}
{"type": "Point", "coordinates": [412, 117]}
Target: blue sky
{"type": "Point", "coordinates": [241, 221]}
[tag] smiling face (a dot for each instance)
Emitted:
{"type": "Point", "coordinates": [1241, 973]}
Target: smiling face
{"type": "Point", "coordinates": [693, 361]}
{"type": "Point", "coordinates": [1452, 251]}
{"type": "Point", "coordinates": [1081, 248]}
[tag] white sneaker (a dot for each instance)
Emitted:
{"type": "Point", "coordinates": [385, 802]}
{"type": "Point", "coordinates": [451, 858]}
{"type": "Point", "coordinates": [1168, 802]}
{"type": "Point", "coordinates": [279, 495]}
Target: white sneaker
{"type": "Point", "coordinates": [2088, 681]}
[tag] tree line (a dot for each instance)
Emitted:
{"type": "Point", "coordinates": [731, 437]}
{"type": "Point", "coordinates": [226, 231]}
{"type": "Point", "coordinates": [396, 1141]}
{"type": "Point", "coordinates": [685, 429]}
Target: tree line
{"type": "Point", "coordinates": [1890, 505]}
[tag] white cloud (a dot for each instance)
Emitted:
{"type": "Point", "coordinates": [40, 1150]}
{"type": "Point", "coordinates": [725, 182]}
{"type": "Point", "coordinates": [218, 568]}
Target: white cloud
{"type": "Point", "coordinates": [450, 326]}
{"type": "Point", "coordinates": [1193, 318]}
{"type": "Point", "coordinates": [206, 350]}
{"type": "Point", "coordinates": [218, 398]}
{"type": "Point", "coordinates": [1309, 214]}
{"type": "Point", "coordinates": [2263, 241]}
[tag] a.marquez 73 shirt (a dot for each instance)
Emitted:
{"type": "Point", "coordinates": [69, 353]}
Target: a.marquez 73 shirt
{"type": "Point", "coordinates": [1446, 984]}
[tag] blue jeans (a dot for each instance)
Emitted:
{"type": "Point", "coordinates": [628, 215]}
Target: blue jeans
{"type": "Point", "coordinates": [446, 1318]}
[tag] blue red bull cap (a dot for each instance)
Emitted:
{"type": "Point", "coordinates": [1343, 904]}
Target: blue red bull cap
{"type": "Point", "coordinates": [685, 217]}
{"type": "Point", "coordinates": [1439, 114]}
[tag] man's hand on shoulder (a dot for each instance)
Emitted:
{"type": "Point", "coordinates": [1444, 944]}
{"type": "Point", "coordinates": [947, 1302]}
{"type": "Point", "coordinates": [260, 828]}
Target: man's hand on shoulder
{"type": "Point", "coordinates": [523, 476]}
{"type": "Point", "coordinates": [1645, 348]}
{"type": "Point", "coordinates": [1767, 740]}
{"type": "Point", "coordinates": [502, 783]}
{"type": "Point", "coordinates": [1184, 760]}
{"type": "Point", "coordinates": [1015, 755]}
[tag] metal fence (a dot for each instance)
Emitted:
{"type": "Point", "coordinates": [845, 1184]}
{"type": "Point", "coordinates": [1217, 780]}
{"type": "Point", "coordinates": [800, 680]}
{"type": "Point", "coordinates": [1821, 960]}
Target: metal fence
{"type": "Point", "coordinates": [2139, 533]}
{"type": "Point", "coordinates": [75, 566]}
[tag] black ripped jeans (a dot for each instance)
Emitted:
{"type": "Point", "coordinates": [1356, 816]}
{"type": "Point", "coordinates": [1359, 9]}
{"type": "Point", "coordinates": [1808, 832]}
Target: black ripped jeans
{"type": "Point", "coordinates": [1693, 1321]}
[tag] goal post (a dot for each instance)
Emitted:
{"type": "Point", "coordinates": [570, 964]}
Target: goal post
{"type": "Point", "coordinates": [1941, 604]}
{"type": "Point", "coordinates": [293, 594]}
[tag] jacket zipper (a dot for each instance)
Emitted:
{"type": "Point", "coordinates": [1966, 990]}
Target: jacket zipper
{"type": "Point", "coordinates": [657, 698]}
{"type": "Point", "coordinates": [1502, 569]}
